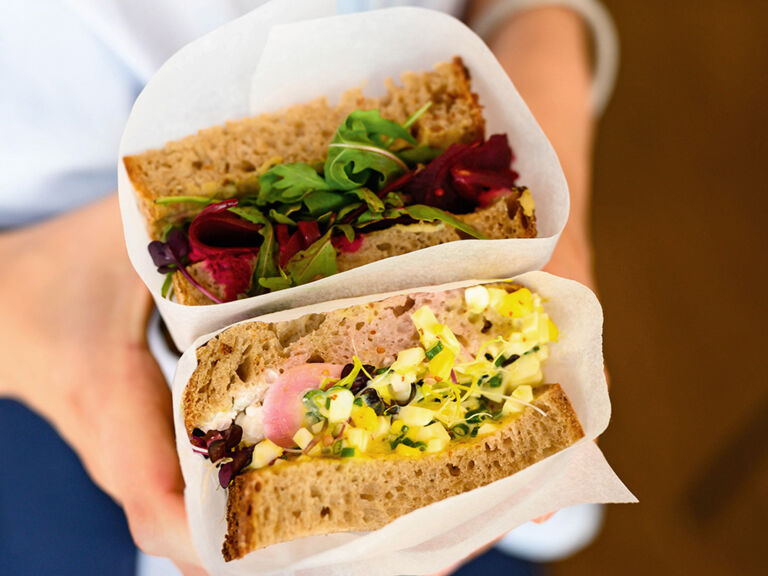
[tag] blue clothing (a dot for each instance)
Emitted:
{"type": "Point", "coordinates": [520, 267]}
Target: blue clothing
{"type": "Point", "coordinates": [53, 518]}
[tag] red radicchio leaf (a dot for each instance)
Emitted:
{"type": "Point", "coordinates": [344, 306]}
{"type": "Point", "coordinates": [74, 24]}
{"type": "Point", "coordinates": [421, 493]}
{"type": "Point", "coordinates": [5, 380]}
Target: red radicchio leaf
{"type": "Point", "coordinates": [228, 244]}
{"type": "Point", "coordinates": [343, 245]}
{"type": "Point", "coordinates": [458, 180]}
{"type": "Point", "coordinates": [309, 231]}
{"type": "Point", "coordinates": [289, 245]}
{"type": "Point", "coordinates": [301, 239]}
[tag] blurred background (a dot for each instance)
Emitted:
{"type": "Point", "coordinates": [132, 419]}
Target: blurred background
{"type": "Point", "coordinates": [679, 223]}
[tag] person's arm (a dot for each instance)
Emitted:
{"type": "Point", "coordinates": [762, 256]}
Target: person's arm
{"type": "Point", "coordinates": [545, 52]}
{"type": "Point", "coordinates": [72, 347]}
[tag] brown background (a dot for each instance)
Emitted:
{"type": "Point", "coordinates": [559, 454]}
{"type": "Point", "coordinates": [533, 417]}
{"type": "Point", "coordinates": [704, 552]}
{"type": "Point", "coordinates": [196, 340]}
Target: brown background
{"type": "Point", "coordinates": [680, 218]}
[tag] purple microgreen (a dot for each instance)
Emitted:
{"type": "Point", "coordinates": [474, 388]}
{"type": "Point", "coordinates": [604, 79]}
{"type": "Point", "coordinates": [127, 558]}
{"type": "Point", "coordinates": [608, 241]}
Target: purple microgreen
{"type": "Point", "coordinates": [170, 255]}
{"type": "Point", "coordinates": [226, 473]}
{"type": "Point", "coordinates": [232, 436]}
{"type": "Point", "coordinates": [217, 450]}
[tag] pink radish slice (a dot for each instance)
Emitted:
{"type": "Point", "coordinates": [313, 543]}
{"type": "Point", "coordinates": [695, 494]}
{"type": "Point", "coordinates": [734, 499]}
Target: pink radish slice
{"type": "Point", "coordinates": [283, 410]}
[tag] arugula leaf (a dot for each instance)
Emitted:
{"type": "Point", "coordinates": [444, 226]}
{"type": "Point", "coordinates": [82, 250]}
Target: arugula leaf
{"type": "Point", "coordinates": [358, 152]}
{"type": "Point", "coordinates": [251, 214]}
{"type": "Point", "coordinates": [375, 204]}
{"type": "Point", "coordinates": [317, 260]}
{"type": "Point", "coordinates": [275, 283]}
{"type": "Point", "coordinates": [376, 127]}
{"type": "Point", "coordinates": [347, 210]}
{"type": "Point", "coordinates": [280, 218]}
{"type": "Point", "coordinates": [186, 199]}
{"type": "Point", "coordinates": [322, 201]}
{"type": "Point", "coordinates": [430, 214]}
{"type": "Point", "coordinates": [419, 155]}
{"type": "Point", "coordinates": [348, 230]}
{"type": "Point", "coordinates": [289, 183]}
{"type": "Point", "coordinates": [265, 262]}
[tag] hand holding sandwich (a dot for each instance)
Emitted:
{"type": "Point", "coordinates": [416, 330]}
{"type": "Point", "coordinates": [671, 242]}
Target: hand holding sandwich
{"type": "Point", "coordinates": [75, 319]}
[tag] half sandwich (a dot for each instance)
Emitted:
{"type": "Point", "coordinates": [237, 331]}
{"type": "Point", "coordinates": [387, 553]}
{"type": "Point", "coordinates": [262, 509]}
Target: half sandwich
{"type": "Point", "coordinates": [281, 199]}
{"type": "Point", "coordinates": [346, 420]}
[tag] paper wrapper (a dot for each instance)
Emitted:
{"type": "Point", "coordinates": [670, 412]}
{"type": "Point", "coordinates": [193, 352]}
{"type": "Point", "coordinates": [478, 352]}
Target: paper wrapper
{"type": "Point", "coordinates": [282, 54]}
{"type": "Point", "coordinates": [445, 532]}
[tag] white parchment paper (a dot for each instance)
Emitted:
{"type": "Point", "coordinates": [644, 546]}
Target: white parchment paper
{"type": "Point", "coordinates": [291, 51]}
{"type": "Point", "coordinates": [437, 535]}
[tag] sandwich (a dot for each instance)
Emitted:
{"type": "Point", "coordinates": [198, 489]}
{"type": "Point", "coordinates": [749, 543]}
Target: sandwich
{"type": "Point", "coordinates": [347, 420]}
{"type": "Point", "coordinates": [282, 199]}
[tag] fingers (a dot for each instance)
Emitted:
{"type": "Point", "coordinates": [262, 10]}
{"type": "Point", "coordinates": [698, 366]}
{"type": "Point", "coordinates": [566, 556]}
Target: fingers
{"type": "Point", "coordinates": [144, 464]}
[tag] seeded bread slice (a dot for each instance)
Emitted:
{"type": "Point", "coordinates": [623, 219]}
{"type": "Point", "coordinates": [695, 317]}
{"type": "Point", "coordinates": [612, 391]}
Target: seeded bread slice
{"type": "Point", "coordinates": [216, 158]}
{"type": "Point", "coordinates": [323, 495]}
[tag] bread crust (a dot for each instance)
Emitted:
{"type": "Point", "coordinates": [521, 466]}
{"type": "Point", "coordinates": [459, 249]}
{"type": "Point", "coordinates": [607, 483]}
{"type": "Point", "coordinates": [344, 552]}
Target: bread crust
{"type": "Point", "coordinates": [322, 495]}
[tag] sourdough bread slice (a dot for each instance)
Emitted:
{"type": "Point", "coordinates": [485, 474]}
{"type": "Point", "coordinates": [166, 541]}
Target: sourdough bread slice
{"type": "Point", "coordinates": [322, 495]}
{"type": "Point", "coordinates": [216, 158]}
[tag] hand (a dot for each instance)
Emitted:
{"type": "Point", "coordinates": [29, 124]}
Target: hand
{"type": "Point", "coordinates": [74, 316]}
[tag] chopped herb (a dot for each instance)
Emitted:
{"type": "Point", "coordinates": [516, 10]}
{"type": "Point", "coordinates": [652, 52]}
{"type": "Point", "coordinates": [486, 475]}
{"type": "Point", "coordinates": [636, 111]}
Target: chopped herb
{"type": "Point", "coordinates": [347, 452]}
{"type": "Point", "coordinates": [434, 350]}
{"type": "Point", "coordinates": [460, 430]}
{"type": "Point", "coordinates": [358, 401]}
{"type": "Point", "coordinates": [495, 381]}
{"type": "Point", "coordinates": [509, 360]}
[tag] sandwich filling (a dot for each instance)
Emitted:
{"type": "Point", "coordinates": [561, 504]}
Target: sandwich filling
{"type": "Point", "coordinates": [432, 395]}
{"type": "Point", "coordinates": [285, 225]}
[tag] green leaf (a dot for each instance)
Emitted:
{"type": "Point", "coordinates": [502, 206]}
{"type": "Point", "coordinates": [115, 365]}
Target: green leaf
{"type": "Point", "coordinates": [375, 204]}
{"type": "Point", "coordinates": [281, 218]}
{"type": "Point", "coordinates": [265, 262]}
{"type": "Point", "coordinates": [430, 214]}
{"type": "Point", "coordinates": [289, 183]}
{"type": "Point", "coordinates": [358, 152]}
{"type": "Point", "coordinates": [251, 214]}
{"type": "Point", "coordinates": [317, 260]}
{"type": "Point", "coordinates": [347, 209]}
{"type": "Point", "coordinates": [416, 115]}
{"type": "Point", "coordinates": [376, 127]}
{"type": "Point", "coordinates": [348, 230]}
{"type": "Point", "coordinates": [393, 199]}
{"type": "Point", "coordinates": [322, 201]}
{"type": "Point", "coordinates": [275, 283]}
{"type": "Point", "coordinates": [186, 199]}
{"type": "Point", "coordinates": [419, 155]}
{"type": "Point", "coordinates": [167, 288]}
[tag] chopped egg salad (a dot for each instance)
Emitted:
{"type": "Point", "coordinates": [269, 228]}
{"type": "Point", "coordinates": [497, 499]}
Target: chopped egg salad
{"type": "Point", "coordinates": [432, 394]}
